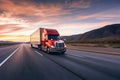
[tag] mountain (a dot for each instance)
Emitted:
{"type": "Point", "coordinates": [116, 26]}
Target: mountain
{"type": "Point", "coordinates": [9, 42]}
{"type": "Point", "coordinates": [72, 37]}
{"type": "Point", "coordinates": [109, 31]}
{"type": "Point", "coordinates": [4, 42]}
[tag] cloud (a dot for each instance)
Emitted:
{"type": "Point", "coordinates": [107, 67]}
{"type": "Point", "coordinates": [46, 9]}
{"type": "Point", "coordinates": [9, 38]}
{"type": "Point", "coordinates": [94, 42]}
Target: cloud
{"type": "Point", "coordinates": [104, 15]}
{"type": "Point", "coordinates": [9, 28]}
{"type": "Point", "coordinates": [31, 11]}
{"type": "Point", "coordinates": [79, 4]}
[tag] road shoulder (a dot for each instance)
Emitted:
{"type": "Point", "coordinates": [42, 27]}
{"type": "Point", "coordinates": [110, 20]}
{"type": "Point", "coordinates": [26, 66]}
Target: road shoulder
{"type": "Point", "coordinates": [102, 50]}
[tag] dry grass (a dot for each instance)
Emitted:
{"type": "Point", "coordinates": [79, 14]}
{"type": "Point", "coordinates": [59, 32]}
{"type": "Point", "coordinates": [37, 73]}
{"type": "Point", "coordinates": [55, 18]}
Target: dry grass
{"type": "Point", "coordinates": [97, 45]}
{"type": "Point", "coordinates": [106, 42]}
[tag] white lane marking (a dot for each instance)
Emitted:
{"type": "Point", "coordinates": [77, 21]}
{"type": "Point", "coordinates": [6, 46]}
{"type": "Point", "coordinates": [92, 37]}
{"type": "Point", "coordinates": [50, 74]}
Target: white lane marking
{"type": "Point", "coordinates": [39, 53]}
{"type": "Point", "coordinates": [8, 57]}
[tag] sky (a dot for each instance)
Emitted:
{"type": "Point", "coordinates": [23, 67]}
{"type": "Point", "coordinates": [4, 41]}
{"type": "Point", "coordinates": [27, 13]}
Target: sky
{"type": "Point", "coordinates": [20, 18]}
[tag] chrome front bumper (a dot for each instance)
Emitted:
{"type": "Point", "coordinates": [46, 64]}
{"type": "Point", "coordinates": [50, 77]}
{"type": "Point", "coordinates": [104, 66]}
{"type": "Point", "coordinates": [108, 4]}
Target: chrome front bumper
{"type": "Point", "coordinates": [57, 50]}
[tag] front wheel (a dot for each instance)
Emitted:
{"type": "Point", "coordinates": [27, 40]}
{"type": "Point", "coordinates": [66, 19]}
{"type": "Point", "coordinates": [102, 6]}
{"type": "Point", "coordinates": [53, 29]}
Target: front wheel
{"type": "Point", "coordinates": [62, 52]}
{"type": "Point", "coordinates": [48, 50]}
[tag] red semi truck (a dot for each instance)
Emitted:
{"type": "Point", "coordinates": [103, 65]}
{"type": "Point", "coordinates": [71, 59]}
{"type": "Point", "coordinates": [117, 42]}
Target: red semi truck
{"type": "Point", "coordinates": [47, 40]}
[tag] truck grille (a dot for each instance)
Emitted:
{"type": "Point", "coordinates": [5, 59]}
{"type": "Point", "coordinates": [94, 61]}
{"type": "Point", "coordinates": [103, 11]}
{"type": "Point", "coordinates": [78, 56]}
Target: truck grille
{"type": "Point", "coordinates": [59, 45]}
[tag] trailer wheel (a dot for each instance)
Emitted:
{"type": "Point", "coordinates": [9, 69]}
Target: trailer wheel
{"type": "Point", "coordinates": [31, 46]}
{"type": "Point", "coordinates": [39, 47]}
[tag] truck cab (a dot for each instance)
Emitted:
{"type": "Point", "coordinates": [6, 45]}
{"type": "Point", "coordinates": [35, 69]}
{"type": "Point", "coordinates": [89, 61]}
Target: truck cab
{"type": "Point", "coordinates": [51, 41]}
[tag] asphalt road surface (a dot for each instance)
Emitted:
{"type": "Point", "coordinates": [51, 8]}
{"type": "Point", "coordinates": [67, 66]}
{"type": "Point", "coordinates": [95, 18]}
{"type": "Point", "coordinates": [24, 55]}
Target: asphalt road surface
{"type": "Point", "coordinates": [21, 62]}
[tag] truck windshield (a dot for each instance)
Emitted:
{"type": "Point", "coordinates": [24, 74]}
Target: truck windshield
{"type": "Point", "coordinates": [53, 37]}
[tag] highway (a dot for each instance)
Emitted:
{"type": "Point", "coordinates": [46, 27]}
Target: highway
{"type": "Point", "coordinates": [21, 62]}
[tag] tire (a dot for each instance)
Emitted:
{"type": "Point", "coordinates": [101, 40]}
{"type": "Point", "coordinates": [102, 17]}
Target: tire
{"type": "Point", "coordinates": [31, 46]}
{"type": "Point", "coordinates": [48, 50]}
{"type": "Point", "coordinates": [39, 47]}
{"type": "Point", "coordinates": [62, 52]}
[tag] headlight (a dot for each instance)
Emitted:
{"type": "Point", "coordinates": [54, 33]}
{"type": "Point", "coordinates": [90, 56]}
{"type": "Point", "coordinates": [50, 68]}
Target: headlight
{"type": "Point", "coordinates": [52, 46]}
{"type": "Point", "coordinates": [65, 46]}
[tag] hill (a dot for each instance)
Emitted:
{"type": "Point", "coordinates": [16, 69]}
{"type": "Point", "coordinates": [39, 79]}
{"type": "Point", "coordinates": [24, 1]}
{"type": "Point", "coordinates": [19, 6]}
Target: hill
{"type": "Point", "coordinates": [109, 31]}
